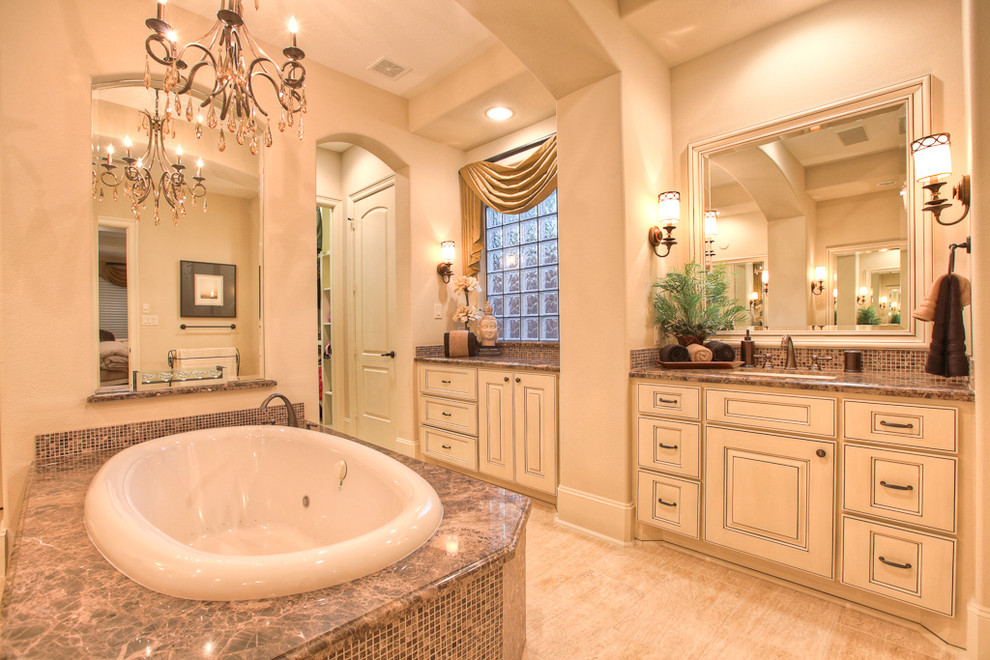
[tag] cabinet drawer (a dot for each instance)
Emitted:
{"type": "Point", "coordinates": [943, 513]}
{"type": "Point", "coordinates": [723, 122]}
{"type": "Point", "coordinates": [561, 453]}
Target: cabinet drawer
{"type": "Point", "coordinates": [901, 486]}
{"type": "Point", "coordinates": [458, 382]}
{"type": "Point", "coordinates": [458, 450]}
{"type": "Point", "coordinates": [672, 400]}
{"type": "Point", "coordinates": [459, 416]}
{"type": "Point", "coordinates": [910, 426]}
{"type": "Point", "coordinates": [670, 446]}
{"type": "Point", "coordinates": [780, 412]}
{"type": "Point", "coordinates": [668, 503]}
{"type": "Point", "coordinates": [915, 568]}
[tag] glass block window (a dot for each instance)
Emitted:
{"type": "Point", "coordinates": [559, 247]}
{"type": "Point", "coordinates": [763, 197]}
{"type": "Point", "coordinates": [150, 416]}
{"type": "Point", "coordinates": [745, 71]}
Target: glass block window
{"type": "Point", "coordinates": [521, 266]}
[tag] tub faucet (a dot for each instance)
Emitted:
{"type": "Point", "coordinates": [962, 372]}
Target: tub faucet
{"type": "Point", "coordinates": [788, 343]}
{"type": "Point", "coordinates": [292, 421]}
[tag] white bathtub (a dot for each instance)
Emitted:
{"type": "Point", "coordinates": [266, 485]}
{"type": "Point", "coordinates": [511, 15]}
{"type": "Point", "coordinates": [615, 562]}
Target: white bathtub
{"type": "Point", "coordinates": [255, 512]}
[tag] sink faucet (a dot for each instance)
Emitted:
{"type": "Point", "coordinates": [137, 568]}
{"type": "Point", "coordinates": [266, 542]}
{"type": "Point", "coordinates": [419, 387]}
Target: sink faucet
{"type": "Point", "coordinates": [788, 343]}
{"type": "Point", "coordinates": [292, 421]}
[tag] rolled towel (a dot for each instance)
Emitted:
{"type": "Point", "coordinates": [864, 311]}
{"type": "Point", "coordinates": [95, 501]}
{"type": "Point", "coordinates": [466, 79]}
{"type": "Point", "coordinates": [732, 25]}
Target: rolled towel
{"type": "Point", "coordinates": [674, 353]}
{"type": "Point", "coordinates": [721, 352]}
{"type": "Point", "coordinates": [699, 353]}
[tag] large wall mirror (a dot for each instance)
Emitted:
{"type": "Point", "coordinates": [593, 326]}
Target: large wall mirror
{"type": "Point", "coordinates": [813, 217]}
{"type": "Point", "coordinates": [178, 291]}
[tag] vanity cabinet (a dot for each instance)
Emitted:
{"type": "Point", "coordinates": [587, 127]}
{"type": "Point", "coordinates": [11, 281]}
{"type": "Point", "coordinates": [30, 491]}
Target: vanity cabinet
{"type": "Point", "coordinates": [499, 423]}
{"type": "Point", "coordinates": [856, 496]}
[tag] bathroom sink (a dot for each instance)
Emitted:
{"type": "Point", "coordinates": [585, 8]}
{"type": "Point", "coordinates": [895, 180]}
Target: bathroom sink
{"type": "Point", "coordinates": [784, 374]}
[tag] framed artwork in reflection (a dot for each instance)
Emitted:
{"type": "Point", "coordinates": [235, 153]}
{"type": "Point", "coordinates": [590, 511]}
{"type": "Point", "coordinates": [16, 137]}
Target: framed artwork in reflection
{"type": "Point", "coordinates": [207, 290]}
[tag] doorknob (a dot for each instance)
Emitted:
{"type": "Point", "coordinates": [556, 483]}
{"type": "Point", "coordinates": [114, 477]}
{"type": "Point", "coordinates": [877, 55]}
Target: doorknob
{"type": "Point", "coordinates": [390, 354]}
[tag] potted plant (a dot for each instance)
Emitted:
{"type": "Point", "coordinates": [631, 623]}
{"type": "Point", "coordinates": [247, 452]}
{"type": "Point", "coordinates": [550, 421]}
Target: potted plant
{"type": "Point", "coordinates": [693, 304]}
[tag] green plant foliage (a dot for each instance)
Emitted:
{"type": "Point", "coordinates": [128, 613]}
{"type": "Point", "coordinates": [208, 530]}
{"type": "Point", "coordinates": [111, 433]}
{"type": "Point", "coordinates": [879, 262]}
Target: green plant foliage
{"type": "Point", "coordinates": [693, 303]}
{"type": "Point", "coordinates": [895, 318]}
{"type": "Point", "coordinates": [867, 316]}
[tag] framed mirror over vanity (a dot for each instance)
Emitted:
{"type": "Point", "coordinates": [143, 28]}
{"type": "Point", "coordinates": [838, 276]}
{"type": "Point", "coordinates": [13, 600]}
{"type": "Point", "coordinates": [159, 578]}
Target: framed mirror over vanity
{"type": "Point", "coordinates": [813, 216]}
{"type": "Point", "coordinates": [170, 190]}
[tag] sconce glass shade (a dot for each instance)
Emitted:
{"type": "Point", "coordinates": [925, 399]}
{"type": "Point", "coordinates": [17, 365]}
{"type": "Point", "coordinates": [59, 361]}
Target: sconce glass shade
{"type": "Point", "coordinates": [883, 300]}
{"type": "Point", "coordinates": [754, 296]}
{"type": "Point", "coordinates": [447, 251]}
{"type": "Point", "coordinates": [765, 276]}
{"type": "Point", "coordinates": [835, 293]}
{"type": "Point", "coordinates": [820, 273]}
{"type": "Point", "coordinates": [669, 204]}
{"type": "Point", "coordinates": [932, 157]}
{"type": "Point", "coordinates": [863, 291]}
{"type": "Point", "coordinates": [711, 223]}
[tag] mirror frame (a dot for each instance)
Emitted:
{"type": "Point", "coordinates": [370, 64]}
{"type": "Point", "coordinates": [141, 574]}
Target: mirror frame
{"type": "Point", "coordinates": [119, 392]}
{"type": "Point", "coordinates": [916, 94]}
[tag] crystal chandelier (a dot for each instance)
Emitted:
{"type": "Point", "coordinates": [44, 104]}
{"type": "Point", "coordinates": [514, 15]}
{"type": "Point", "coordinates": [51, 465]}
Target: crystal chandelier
{"type": "Point", "coordinates": [135, 176]}
{"type": "Point", "coordinates": [236, 62]}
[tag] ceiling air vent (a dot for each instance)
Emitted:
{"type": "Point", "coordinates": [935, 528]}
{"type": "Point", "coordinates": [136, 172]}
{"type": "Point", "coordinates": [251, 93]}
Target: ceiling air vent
{"type": "Point", "coordinates": [388, 68]}
{"type": "Point", "coordinates": [853, 136]}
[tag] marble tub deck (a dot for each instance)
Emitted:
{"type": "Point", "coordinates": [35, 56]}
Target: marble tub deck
{"type": "Point", "coordinates": [63, 600]}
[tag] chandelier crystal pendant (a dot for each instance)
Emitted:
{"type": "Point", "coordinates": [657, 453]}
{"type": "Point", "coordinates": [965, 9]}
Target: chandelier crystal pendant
{"type": "Point", "coordinates": [231, 55]}
{"type": "Point", "coordinates": [135, 176]}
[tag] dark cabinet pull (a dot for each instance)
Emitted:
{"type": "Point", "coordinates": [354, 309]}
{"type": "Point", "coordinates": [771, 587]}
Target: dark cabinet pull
{"type": "Point", "coordinates": [507, 379]}
{"type": "Point", "coordinates": [666, 503]}
{"type": "Point", "coordinates": [445, 446]}
{"type": "Point", "coordinates": [445, 382]}
{"type": "Point", "coordinates": [445, 414]}
{"type": "Point", "coordinates": [663, 446]}
{"type": "Point", "coordinates": [893, 563]}
{"type": "Point", "coordinates": [390, 354]}
{"type": "Point", "coordinates": [663, 400]}
{"type": "Point", "coordinates": [820, 453]}
{"type": "Point", "coordinates": [518, 380]}
{"type": "Point", "coordinates": [896, 425]}
{"type": "Point", "coordinates": [895, 486]}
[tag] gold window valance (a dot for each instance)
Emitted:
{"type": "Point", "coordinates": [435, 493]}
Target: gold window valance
{"type": "Point", "coordinates": [505, 188]}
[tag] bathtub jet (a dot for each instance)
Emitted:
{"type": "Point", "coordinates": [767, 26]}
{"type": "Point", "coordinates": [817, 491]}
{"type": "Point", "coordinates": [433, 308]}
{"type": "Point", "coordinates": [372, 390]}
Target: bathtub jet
{"type": "Point", "coordinates": [253, 512]}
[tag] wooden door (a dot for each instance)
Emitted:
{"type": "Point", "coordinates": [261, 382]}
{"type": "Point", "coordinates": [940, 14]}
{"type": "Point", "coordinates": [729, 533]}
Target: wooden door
{"type": "Point", "coordinates": [373, 227]}
{"type": "Point", "coordinates": [495, 446]}
{"type": "Point", "coordinates": [771, 496]}
{"type": "Point", "coordinates": [535, 426]}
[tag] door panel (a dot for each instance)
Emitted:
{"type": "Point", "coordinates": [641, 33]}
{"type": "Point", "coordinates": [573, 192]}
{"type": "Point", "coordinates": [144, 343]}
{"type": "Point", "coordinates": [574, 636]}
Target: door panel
{"type": "Point", "coordinates": [495, 450]}
{"type": "Point", "coordinates": [536, 431]}
{"type": "Point", "coordinates": [771, 496]}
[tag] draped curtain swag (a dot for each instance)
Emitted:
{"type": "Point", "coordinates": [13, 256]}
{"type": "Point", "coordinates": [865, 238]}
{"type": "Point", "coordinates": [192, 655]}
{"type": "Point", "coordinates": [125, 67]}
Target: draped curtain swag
{"type": "Point", "coordinates": [505, 188]}
{"type": "Point", "coordinates": [114, 273]}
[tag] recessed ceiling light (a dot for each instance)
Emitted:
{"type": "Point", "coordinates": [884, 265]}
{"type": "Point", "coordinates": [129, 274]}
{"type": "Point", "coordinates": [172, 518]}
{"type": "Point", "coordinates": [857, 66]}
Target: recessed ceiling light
{"type": "Point", "coordinates": [498, 113]}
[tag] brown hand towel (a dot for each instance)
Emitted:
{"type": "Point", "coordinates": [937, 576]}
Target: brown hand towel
{"type": "Point", "coordinates": [926, 309]}
{"type": "Point", "coordinates": [947, 353]}
{"type": "Point", "coordinates": [699, 353]}
{"type": "Point", "coordinates": [721, 352]}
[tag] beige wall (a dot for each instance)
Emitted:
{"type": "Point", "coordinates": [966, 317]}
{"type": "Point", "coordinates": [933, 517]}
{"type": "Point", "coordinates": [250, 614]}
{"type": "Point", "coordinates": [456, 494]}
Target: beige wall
{"type": "Point", "coordinates": [49, 244]}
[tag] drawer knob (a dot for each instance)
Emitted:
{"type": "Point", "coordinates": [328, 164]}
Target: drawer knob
{"type": "Point", "coordinates": [895, 486]}
{"type": "Point", "coordinates": [893, 563]}
{"type": "Point", "coordinates": [896, 425]}
{"type": "Point", "coordinates": [445, 414]}
{"type": "Point", "coordinates": [663, 400]}
{"type": "Point", "coordinates": [820, 453]}
{"type": "Point", "coordinates": [445, 382]}
{"type": "Point", "coordinates": [666, 503]}
{"type": "Point", "coordinates": [507, 379]}
{"type": "Point", "coordinates": [663, 446]}
{"type": "Point", "coordinates": [445, 446]}
{"type": "Point", "coordinates": [518, 380]}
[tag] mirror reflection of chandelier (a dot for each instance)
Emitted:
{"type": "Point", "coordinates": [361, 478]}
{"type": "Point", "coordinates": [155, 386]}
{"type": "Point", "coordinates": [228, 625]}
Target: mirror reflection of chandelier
{"type": "Point", "coordinates": [136, 178]}
{"type": "Point", "coordinates": [236, 62]}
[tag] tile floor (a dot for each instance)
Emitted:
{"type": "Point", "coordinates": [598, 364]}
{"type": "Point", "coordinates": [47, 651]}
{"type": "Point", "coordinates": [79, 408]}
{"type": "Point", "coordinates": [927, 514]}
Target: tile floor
{"type": "Point", "coordinates": [588, 598]}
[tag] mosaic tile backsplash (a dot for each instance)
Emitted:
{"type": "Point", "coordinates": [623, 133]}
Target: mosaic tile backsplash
{"type": "Point", "coordinates": [878, 360]}
{"type": "Point", "coordinates": [48, 446]}
{"type": "Point", "coordinates": [521, 349]}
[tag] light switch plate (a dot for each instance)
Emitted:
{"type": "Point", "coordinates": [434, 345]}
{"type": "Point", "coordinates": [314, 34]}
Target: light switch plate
{"type": "Point", "coordinates": [438, 311]}
{"type": "Point", "coordinates": [149, 319]}
{"type": "Point", "coordinates": [146, 308]}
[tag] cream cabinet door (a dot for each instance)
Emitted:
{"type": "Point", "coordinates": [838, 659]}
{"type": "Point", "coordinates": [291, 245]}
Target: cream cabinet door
{"type": "Point", "coordinates": [535, 399]}
{"type": "Point", "coordinates": [495, 423]}
{"type": "Point", "coordinates": [771, 496]}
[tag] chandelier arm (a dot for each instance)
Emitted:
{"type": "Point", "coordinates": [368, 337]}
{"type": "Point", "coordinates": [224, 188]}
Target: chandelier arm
{"type": "Point", "coordinates": [158, 38]}
{"type": "Point", "coordinates": [250, 87]}
{"type": "Point", "coordinates": [206, 59]}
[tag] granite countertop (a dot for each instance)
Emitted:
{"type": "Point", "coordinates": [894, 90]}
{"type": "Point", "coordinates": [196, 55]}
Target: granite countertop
{"type": "Point", "coordinates": [920, 386]}
{"type": "Point", "coordinates": [503, 361]}
{"type": "Point", "coordinates": [62, 599]}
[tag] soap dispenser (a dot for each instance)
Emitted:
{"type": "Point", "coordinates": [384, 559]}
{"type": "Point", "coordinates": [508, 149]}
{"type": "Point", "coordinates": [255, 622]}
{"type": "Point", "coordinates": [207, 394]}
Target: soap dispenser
{"type": "Point", "coordinates": [747, 350]}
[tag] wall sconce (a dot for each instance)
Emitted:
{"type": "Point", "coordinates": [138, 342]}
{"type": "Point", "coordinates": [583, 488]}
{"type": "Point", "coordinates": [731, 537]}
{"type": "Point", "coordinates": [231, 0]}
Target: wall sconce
{"type": "Point", "coordinates": [447, 260]}
{"type": "Point", "coordinates": [932, 162]}
{"type": "Point", "coordinates": [835, 295]}
{"type": "Point", "coordinates": [669, 205]}
{"type": "Point", "coordinates": [861, 298]}
{"type": "Point", "coordinates": [711, 229]}
{"type": "Point", "coordinates": [818, 284]}
{"type": "Point", "coordinates": [883, 302]}
{"type": "Point", "coordinates": [765, 277]}
{"type": "Point", "coordinates": [754, 299]}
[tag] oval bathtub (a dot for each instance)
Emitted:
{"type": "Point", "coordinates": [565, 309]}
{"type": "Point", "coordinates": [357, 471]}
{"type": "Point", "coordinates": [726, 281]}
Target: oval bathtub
{"type": "Point", "coordinates": [255, 512]}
